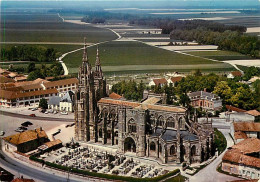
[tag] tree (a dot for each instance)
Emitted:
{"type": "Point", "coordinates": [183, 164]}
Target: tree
{"type": "Point", "coordinates": [43, 103]}
{"type": "Point", "coordinates": [34, 75]}
{"type": "Point", "coordinates": [184, 100]}
{"type": "Point", "coordinates": [223, 90]}
{"type": "Point", "coordinates": [31, 67]}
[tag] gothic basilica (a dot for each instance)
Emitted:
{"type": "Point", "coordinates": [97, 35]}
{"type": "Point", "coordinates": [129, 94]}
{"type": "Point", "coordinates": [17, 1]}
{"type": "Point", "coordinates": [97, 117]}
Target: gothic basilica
{"type": "Point", "coordinates": [148, 128]}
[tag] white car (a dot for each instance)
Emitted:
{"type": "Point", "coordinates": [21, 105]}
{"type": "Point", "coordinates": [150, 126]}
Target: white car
{"type": "Point", "coordinates": [64, 113]}
{"type": "Point", "coordinates": [46, 112]}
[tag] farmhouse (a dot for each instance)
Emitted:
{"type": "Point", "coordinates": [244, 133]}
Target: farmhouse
{"type": "Point", "coordinates": [243, 159]}
{"type": "Point", "coordinates": [158, 82]}
{"type": "Point", "coordinates": [174, 80]}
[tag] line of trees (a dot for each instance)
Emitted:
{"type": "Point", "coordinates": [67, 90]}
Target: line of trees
{"type": "Point", "coordinates": [228, 40]}
{"type": "Point", "coordinates": [168, 25]}
{"type": "Point", "coordinates": [29, 53]}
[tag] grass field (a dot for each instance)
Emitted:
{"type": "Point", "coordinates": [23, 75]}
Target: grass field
{"type": "Point", "coordinates": [132, 56]}
{"type": "Point", "coordinates": [50, 29]}
{"type": "Point", "coordinates": [220, 55]}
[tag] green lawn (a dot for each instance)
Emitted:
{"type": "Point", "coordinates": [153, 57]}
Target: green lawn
{"type": "Point", "coordinates": [135, 57]}
{"type": "Point", "coordinates": [178, 178]}
{"type": "Point", "coordinates": [220, 55]}
{"type": "Point", "coordinates": [49, 30]}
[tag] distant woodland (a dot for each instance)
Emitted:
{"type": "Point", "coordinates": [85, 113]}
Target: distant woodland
{"type": "Point", "coordinates": [29, 53]}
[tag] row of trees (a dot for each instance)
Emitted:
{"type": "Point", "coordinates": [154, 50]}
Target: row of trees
{"type": "Point", "coordinates": [168, 25]}
{"type": "Point", "coordinates": [228, 40]}
{"type": "Point", "coordinates": [29, 53]}
{"type": "Point", "coordinates": [52, 71]}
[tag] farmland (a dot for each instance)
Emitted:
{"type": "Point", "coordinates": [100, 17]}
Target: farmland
{"type": "Point", "coordinates": [51, 29]}
{"type": "Point", "coordinates": [135, 56]}
{"type": "Point", "coordinates": [220, 55]}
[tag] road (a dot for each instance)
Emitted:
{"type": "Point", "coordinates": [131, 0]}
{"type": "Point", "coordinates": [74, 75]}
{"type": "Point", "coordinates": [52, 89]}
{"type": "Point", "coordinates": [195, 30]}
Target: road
{"type": "Point", "coordinates": [32, 172]}
{"type": "Point", "coordinates": [209, 173]}
{"type": "Point", "coordinates": [5, 113]}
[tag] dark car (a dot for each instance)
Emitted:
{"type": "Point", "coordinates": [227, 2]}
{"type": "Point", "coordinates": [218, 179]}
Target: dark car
{"type": "Point", "coordinates": [26, 124]}
{"type": "Point", "coordinates": [32, 115]}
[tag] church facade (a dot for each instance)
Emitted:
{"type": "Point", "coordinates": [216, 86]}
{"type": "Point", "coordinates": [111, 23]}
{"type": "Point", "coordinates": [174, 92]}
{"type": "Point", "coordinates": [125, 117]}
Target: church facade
{"type": "Point", "coordinates": [147, 128]}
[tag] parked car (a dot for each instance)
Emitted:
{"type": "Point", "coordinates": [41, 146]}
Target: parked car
{"type": "Point", "coordinates": [34, 109]}
{"type": "Point", "coordinates": [55, 112]}
{"type": "Point", "coordinates": [30, 108]}
{"type": "Point", "coordinates": [32, 115]}
{"type": "Point", "coordinates": [2, 133]}
{"type": "Point", "coordinates": [64, 113]}
{"type": "Point", "coordinates": [46, 112]}
{"type": "Point", "coordinates": [26, 124]}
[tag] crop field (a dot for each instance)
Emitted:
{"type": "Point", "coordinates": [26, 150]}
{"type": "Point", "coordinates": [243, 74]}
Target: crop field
{"type": "Point", "coordinates": [220, 55]}
{"type": "Point", "coordinates": [52, 30]}
{"type": "Point", "coordinates": [133, 56]}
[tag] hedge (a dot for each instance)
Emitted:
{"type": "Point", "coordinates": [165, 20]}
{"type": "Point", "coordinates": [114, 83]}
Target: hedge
{"type": "Point", "coordinates": [106, 176]}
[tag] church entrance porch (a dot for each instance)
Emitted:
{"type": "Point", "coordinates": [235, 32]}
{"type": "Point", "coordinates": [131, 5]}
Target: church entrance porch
{"type": "Point", "coordinates": [129, 145]}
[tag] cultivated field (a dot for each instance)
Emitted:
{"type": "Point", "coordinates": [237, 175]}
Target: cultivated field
{"type": "Point", "coordinates": [119, 56]}
{"type": "Point", "coordinates": [220, 55]}
{"type": "Point", "coordinates": [51, 29]}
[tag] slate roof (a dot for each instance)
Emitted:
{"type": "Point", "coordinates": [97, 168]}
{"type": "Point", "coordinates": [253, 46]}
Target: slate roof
{"type": "Point", "coordinates": [68, 97]}
{"type": "Point", "coordinates": [203, 95]}
{"type": "Point", "coordinates": [54, 100]}
{"type": "Point", "coordinates": [170, 135]}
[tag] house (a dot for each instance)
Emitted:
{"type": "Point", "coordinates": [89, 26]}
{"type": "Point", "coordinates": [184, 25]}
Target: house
{"type": "Point", "coordinates": [174, 80]}
{"type": "Point", "coordinates": [67, 102]}
{"type": "Point", "coordinates": [114, 95]}
{"type": "Point", "coordinates": [205, 100]}
{"type": "Point", "coordinates": [240, 115]}
{"type": "Point", "coordinates": [54, 103]}
{"type": "Point", "coordinates": [244, 130]}
{"type": "Point", "coordinates": [243, 159]}
{"type": "Point", "coordinates": [25, 141]}
{"type": "Point", "coordinates": [158, 82]}
{"type": "Point", "coordinates": [234, 74]}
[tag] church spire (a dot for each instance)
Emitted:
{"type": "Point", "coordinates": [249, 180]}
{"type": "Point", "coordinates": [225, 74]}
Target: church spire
{"type": "Point", "coordinates": [97, 58]}
{"type": "Point", "coordinates": [85, 54]}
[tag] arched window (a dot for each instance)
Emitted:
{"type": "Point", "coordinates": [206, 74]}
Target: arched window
{"type": "Point", "coordinates": [193, 150]}
{"type": "Point", "coordinates": [152, 146]}
{"type": "Point", "coordinates": [172, 150]}
{"type": "Point", "coordinates": [132, 126]}
{"type": "Point", "coordinates": [160, 121]}
{"type": "Point", "coordinates": [170, 122]}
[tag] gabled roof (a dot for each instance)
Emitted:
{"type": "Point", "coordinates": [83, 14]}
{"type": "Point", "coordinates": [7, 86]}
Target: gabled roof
{"type": "Point", "coordinates": [240, 135]}
{"type": "Point", "coordinates": [247, 146]}
{"type": "Point", "coordinates": [114, 95]}
{"type": "Point", "coordinates": [159, 81]}
{"type": "Point", "coordinates": [246, 126]}
{"type": "Point", "coordinates": [176, 79]}
{"type": "Point", "coordinates": [26, 136]}
{"type": "Point", "coordinates": [232, 108]}
{"type": "Point", "coordinates": [236, 73]}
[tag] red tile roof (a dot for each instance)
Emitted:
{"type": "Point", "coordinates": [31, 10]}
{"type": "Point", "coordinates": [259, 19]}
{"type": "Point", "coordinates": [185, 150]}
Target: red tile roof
{"type": "Point", "coordinates": [61, 82]}
{"type": "Point", "coordinates": [114, 95]}
{"type": "Point", "coordinates": [237, 153]}
{"type": "Point", "coordinates": [246, 126]}
{"type": "Point", "coordinates": [253, 112]}
{"type": "Point", "coordinates": [232, 108]}
{"type": "Point", "coordinates": [176, 79]}
{"type": "Point", "coordinates": [236, 73]}
{"type": "Point", "coordinates": [4, 79]}
{"type": "Point", "coordinates": [240, 135]}
{"type": "Point", "coordinates": [160, 81]}
{"type": "Point", "coordinates": [22, 180]}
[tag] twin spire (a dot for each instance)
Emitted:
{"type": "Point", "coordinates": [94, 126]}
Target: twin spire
{"type": "Point", "coordinates": [85, 55]}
